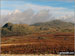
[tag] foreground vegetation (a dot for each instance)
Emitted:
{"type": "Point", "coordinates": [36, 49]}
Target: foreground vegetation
{"type": "Point", "coordinates": [40, 38]}
{"type": "Point", "coordinates": [46, 44]}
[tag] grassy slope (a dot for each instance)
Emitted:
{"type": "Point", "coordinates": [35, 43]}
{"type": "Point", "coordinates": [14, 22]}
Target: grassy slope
{"type": "Point", "coordinates": [48, 43]}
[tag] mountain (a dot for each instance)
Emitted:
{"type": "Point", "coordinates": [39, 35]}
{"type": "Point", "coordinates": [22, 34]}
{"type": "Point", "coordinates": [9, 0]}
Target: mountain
{"type": "Point", "coordinates": [55, 24]}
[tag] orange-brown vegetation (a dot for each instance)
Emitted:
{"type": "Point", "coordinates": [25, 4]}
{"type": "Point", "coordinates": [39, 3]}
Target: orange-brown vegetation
{"type": "Point", "coordinates": [41, 43]}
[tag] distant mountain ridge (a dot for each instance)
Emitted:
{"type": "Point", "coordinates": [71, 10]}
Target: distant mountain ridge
{"type": "Point", "coordinates": [54, 23]}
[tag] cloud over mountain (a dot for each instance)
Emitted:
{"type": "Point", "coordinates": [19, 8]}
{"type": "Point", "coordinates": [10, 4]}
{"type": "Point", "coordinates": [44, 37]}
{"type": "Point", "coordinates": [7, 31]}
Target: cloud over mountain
{"type": "Point", "coordinates": [29, 17]}
{"type": "Point", "coordinates": [35, 13]}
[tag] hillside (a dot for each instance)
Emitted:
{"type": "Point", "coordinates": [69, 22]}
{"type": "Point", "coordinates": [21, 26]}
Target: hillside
{"type": "Point", "coordinates": [40, 38]}
{"type": "Point", "coordinates": [54, 26]}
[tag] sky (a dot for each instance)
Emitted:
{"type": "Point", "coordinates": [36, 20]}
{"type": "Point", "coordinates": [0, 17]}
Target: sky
{"type": "Point", "coordinates": [11, 5]}
{"type": "Point", "coordinates": [36, 10]}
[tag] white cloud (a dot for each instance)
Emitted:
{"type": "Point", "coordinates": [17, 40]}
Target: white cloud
{"type": "Point", "coordinates": [40, 7]}
{"type": "Point", "coordinates": [28, 16]}
{"type": "Point", "coordinates": [5, 12]}
{"type": "Point", "coordinates": [36, 8]}
{"type": "Point", "coordinates": [57, 11]}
